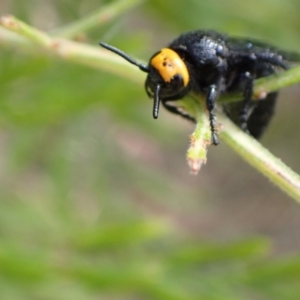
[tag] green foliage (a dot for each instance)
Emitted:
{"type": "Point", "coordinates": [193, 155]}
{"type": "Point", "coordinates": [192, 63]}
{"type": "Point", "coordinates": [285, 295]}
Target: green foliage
{"type": "Point", "coordinates": [93, 203]}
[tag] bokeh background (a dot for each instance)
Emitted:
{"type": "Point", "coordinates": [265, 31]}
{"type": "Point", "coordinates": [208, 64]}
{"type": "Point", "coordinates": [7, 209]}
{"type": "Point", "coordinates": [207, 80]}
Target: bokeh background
{"type": "Point", "coordinates": [96, 199]}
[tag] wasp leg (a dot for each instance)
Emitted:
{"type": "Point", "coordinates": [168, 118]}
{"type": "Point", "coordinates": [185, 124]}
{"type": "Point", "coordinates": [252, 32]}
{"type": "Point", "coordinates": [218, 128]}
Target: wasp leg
{"type": "Point", "coordinates": [176, 110]}
{"type": "Point", "coordinates": [273, 59]}
{"type": "Point", "coordinates": [210, 105]}
{"type": "Point", "coordinates": [247, 98]}
{"type": "Point", "coordinates": [262, 115]}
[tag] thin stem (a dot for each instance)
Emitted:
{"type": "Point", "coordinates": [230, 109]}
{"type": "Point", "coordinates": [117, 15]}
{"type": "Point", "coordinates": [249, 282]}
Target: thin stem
{"type": "Point", "coordinates": [83, 54]}
{"type": "Point", "coordinates": [260, 158]}
{"type": "Point", "coordinates": [102, 15]}
{"type": "Point", "coordinates": [254, 153]}
{"type": "Point", "coordinates": [276, 81]}
{"type": "Point", "coordinates": [200, 139]}
{"type": "Point", "coordinates": [34, 35]}
{"type": "Point", "coordinates": [11, 39]}
{"type": "Point", "coordinates": [268, 84]}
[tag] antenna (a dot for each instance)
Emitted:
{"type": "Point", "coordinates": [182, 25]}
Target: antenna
{"type": "Point", "coordinates": [156, 102]}
{"type": "Point", "coordinates": [125, 56]}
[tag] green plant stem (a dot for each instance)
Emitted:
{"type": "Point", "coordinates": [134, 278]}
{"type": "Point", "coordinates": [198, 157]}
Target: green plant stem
{"type": "Point", "coordinates": [36, 36]}
{"type": "Point", "coordinates": [14, 40]}
{"type": "Point", "coordinates": [260, 158]}
{"type": "Point", "coordinates": [200, 139]}
{"type": "Point", "coordinates": [68, 50]}
{"type": "Point", "coordinates": [102, 15]}
{"type": "Point", "coordinates": [248, 148]}
{"type": "Point", "coordinates": [276, 81]}
{"type": "Point", "coordinates": [268, 84]}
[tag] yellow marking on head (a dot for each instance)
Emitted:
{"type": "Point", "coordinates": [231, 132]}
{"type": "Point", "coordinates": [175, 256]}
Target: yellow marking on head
{"type": "Point", "coordinates": [168, 63]}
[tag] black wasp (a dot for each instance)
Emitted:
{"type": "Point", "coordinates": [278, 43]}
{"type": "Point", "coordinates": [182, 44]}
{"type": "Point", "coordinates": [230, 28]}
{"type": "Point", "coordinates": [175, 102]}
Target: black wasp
{"type": "Point", "coordinates": [211, 63]}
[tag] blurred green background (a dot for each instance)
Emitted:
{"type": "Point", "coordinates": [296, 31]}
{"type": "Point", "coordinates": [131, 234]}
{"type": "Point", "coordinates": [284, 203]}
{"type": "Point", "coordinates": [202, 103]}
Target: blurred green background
{"type": "Point", "coordinates": [96, 200]}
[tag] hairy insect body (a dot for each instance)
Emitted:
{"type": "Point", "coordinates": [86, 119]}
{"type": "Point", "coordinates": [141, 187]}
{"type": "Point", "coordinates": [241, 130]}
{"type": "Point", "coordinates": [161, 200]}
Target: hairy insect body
{"type": "Point", "coordinates": [228, 65]}
{"type": "Point", "coordinates": [212, 64]}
